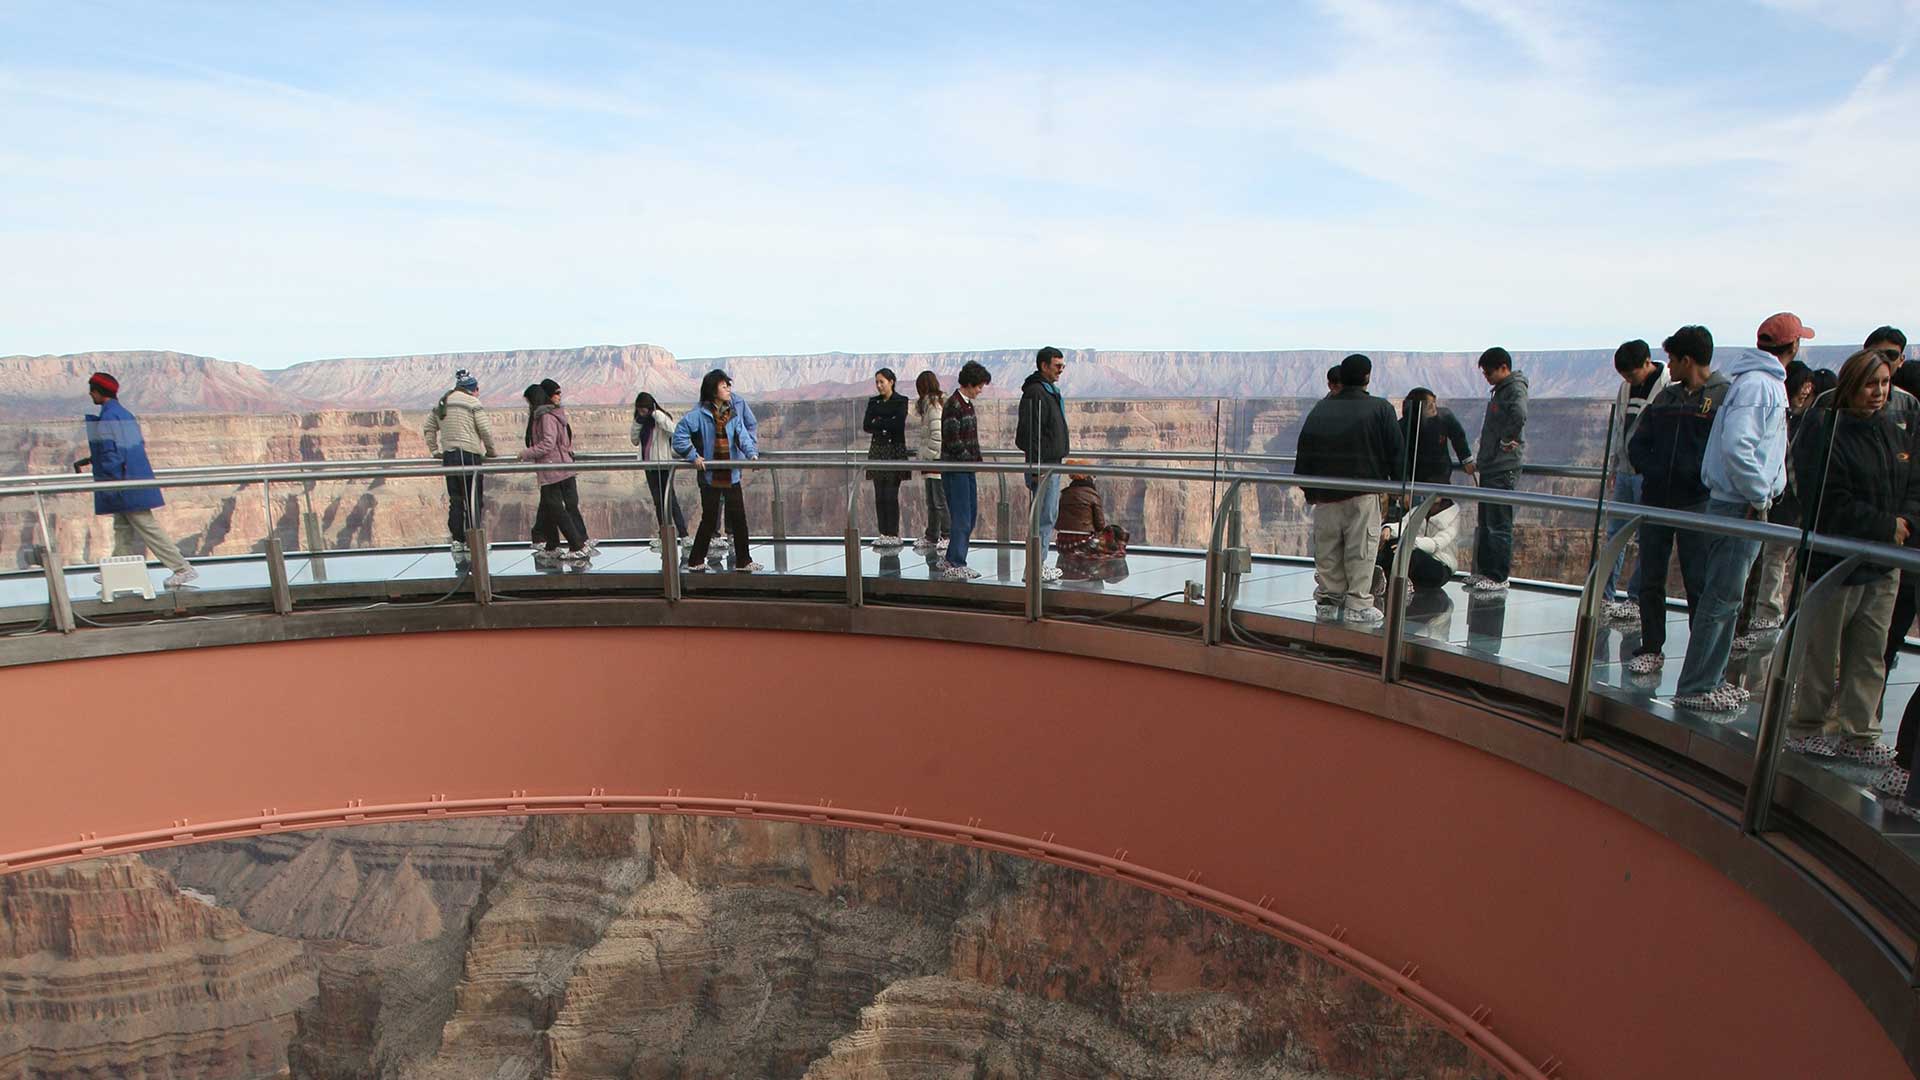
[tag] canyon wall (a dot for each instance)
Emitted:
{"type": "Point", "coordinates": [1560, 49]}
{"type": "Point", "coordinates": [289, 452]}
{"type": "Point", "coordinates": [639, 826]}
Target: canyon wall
{"type": "Point", "coordinates": [227, 519]}
{"type": "Point", "coordinates": [657, 947]}
{"type": "Point", "coordinates": [155, 382]}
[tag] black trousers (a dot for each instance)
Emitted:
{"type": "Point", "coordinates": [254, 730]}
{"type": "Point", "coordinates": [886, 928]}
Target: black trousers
{"type": "Point", "coordinates": [560, 514]}
{"type": "Point", "coordinates": [1423, 570]}
{"type": "Point", "coordinates": [1657, 544]}
{"type": "Point", "coordinates": [466, 495]}
{"type": "Point", "coordinates": [886, 501]}
{"type": "Point", "coordinates": [660, 483]}
{"type": "Point", "coordinates": [714, 502]}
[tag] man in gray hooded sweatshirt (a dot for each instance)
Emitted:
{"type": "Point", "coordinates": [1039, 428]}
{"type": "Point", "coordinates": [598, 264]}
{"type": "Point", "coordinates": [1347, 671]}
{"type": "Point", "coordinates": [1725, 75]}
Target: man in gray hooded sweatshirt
{"type": "Point", "coordinates": [1503, 447]}
{"type": "Point", "coordinates": [1745, 470]}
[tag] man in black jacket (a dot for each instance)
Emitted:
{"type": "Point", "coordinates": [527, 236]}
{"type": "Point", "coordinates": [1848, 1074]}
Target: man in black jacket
{"type": "Point", "coordinates": [1668, 446]}
{"type": "Point", "coordinates": [1042, 435]}
{"type": "Point", "coordinates": [1354, 436]}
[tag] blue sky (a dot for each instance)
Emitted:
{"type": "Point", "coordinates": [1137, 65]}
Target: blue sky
{"type": "Point", "coordinates": [277, 182]}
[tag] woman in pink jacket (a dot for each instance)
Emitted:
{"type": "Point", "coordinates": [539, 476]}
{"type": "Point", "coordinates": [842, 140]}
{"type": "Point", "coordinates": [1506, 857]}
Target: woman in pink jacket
{"type": "Point", "coordinates": [550, 442]}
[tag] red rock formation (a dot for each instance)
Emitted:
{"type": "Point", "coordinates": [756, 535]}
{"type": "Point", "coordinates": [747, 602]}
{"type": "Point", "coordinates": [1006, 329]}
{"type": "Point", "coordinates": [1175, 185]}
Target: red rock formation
{"type": "Point", "coordinates": [107, 969]}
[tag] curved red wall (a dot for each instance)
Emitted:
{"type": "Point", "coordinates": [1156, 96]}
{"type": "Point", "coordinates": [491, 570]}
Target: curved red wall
{"type": "Point", "coordinates": [1592, 939]}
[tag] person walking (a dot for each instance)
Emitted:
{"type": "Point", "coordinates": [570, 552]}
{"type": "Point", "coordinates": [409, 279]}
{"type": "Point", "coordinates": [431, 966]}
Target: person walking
{"type": "Point", "coordinates": [1355, 436]}
{"type": "Point", "coordinates": [550, 442]}
{"type": "Point", "coordinates": [886, 421]}
{"type": "Point", "coordinates": [1745, 469]}
{"type": "Point", "coordinates": [652, 432]}
{"type": "Point", "coordinates": [1641, 380]}
{"type": "Point", "coordinates": [1041, 434]}
{"type": "Point", "coordinates": [459, 434]}
{"type": "Point", "coordinates": [1666, 450]}
{"type": "Point", "coordinates": [117, 450]}
{"type": "Point", "coordinates": [1856, 476]}
{"type": "Point", "coordinates": [720, 429]}
{"type": "Point", "coordinates": [928, 404]}
{"type": "Point", "coordinates": [960, 441]}
{"type": "Point", "coordinates": [1503, 448]}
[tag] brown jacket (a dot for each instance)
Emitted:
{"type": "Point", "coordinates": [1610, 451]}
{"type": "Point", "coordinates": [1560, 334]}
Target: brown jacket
{"type": "Point", "coordinates": [1080, 510]}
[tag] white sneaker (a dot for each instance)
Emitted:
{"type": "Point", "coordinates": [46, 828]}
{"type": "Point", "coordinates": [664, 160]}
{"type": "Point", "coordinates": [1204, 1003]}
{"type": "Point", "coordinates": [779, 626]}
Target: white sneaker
{"type": "Point", "coordinates": [546, 557]}
{"type": "Point", "coordinates": [1744, 644]}
{"type": "Point", "coordinates": [1814, 745]}
{"type": "Point", "coordinates": [1864, 751]}
{"type": "Point", "coordinates": [592, 548]}
{"type": "Point", "coordinates": [1365, 616]}
{"type": "Point", "coordinates": [1646, 663]}
{"type": "Point", "coordinates": [1326, 611]}
{"type": "Point", "coordinates": [181, 579]}
{"type": "Point", "coordinates": [958, 573]}
{"type": "Point", "coordinates": [1049, 573]}
{"type": "Point", "coordinates": [1894, 782]}
{"type": "Point", "coordinates": [924, 544]}
{"type": "Point", "coordinates": [720, 543]}
{"type": "Point", "coordinates": [459, 547]}
{"type": "Point", "coordinates": [1488, 585]}
{"type": "Point", "coordinates": [1474, 581]}
{"type": "Point", "coordinates": [577, 556]}
{"type": "Point", "coordinates": [654, 545]}
{"type": "Point", "coordinates": [1622, 611]}
{"type": "Point", "coordinates": [748, 568]}
{"type": "Point", "coordinates": [1723, 698]}
{"type": "Point", "coordinates": [1763, 623]}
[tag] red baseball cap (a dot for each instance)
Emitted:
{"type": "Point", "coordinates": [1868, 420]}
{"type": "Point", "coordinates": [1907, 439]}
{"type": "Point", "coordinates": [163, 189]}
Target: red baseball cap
{"type": "Point", "coordinates": [1783, 329]}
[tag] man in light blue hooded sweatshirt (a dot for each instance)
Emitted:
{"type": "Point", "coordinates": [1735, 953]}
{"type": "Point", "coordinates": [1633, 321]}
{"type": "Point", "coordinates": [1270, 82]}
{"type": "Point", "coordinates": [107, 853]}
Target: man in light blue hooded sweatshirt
{"type": "Point", "coordinates": [1745, 470]}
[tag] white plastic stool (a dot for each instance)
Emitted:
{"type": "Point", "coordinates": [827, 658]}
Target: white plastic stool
{"type": "Point", "coordinates": [124, 573]}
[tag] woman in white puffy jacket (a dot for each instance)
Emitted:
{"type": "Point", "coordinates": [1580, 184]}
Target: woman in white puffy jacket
{"type": "Point", "coordinates": [1436, 554]}
{"type": "Point", "coordinates": [652, 432]}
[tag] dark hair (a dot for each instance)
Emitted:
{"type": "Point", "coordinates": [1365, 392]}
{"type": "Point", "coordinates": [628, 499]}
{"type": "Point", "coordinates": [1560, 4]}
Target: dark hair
{"type": "Point", "coordinates": [536, 395]}
{"type": "Point", "coordinates": [1799, 375]}
{"type": "Point", "coordinates": [550, 387]}
{"type": "Point", "coordinates": [974, 373]}
{"type": "Point", "coordinates": [927, 389]}
{"type": "Point", "coordinates": [887, 374]}
{"type": "Point", "coordinates": [1496, 357]}
{"type": "Point", "coordinates": [1854, 374]}
{"type": "Point", "coordinates": [710, 385]}
{"type": "Point", "coordinates": [1693, 342]}
{"type": "Point", "coordinates": [1333, 376]}
{"type": "Point", "coordinates": [1824, 380]}
{"type": "Point", "coordinates": [1631, 356]}
{"type": "Point", "coordinates": [1414, 398]}
{"type": "Point", "coordinates": [1885, 336]}
{"type": "Point", "coordinates": [1908, 378]}
{"type": "Point", "coordinates": [644, 402]}
{"type": "Point", "coordinates": [1049, 353]}
{"type": "Point", "coordinates": [1356, 370]}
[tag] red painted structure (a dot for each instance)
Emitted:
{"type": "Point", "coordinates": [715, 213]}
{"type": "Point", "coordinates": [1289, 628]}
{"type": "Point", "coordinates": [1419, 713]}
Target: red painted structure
{"type": "Point", "coordinates": [1556, 934]}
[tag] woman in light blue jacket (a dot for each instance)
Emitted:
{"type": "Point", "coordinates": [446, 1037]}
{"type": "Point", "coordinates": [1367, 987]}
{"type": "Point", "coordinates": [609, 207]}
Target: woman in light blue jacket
{"type": "Point", "coordinates": [721, 428]}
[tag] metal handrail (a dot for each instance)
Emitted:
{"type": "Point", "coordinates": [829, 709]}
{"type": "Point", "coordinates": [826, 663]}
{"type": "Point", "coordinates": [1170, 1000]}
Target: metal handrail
{"type": "Point", "coordinates": [1905, 559]}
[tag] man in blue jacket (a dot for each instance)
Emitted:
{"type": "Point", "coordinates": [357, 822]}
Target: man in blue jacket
{"type": "Point", "coordinates": [117, 451]}
{"type": "Point", "coordinates": [1745, 470]}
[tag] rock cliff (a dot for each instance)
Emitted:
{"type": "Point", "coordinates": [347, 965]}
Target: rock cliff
{"type": "Point", "coordinates": [108, 969]}
{"type": "Point", "coordinates": [361, 514]}
{"type": "Point", "coordinates": [153, 382]}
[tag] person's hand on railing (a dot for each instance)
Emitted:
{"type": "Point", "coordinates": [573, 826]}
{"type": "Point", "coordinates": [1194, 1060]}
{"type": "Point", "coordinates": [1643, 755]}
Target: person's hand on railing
{"type": "Point", "coordinates": [699, 462]}
{"type": "Point", "coordinates": [83, 465]}
{"type": "Point", "coordinates": [1469, 468]}
{"type": "Point", "coordinates": [1901, 530]}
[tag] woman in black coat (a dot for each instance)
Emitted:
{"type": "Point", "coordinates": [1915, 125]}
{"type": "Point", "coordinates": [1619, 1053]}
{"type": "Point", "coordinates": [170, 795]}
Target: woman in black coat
{"type": "Point", "coordinates": [886, 421]}
{"type": "Point", "coordinates": [1855, 475]}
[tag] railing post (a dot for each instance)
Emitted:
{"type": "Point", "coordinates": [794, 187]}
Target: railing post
{"type": "Point", "coordinates": [316, 540]}
{"type": "Point", "coordinates": [1036, 549]}
{"type": "Point", "coordinates": [266, 506]}
{"type": "Point", "coordinates": [1004, 519]}
{"type": "Point", "coordinates": [1773, 704]}
{"type": "Point", "coordinates": [670, 583]}
{"type": "Point", "coordinates": [1586, 631]}
{"type": "Point", "coordinates": [1215, 625]}
{"type": "Point", "coordinates": [1396, 625]}
{"type": "Point", "coordinates": [277, 576]}
{"type": "Point", "coordinates": [855, 594]}
{"type": "Point", "coordinates": [779, 510]}
{"type": "Point", "coordinates": [59, 607]}
{"type": "Point", "coordinates": [477, 569]}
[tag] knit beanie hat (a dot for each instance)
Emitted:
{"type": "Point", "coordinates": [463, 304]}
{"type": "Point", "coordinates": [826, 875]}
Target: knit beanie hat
{"type": "Point", "coordinates": [464, 380]}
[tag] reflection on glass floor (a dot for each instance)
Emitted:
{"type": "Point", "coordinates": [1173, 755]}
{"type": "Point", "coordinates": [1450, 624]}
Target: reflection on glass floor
{"type": "Point", "coordinates": [1529, 627]}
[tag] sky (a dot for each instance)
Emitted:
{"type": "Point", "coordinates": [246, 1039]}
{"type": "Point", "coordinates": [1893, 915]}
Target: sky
{"type": "Point", "coordinates": [275, 182]}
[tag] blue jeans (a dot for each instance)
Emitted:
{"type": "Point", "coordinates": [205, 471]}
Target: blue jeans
{"type": "Point", "coordinates": [1626, 492]}
{"type": "Point", "coordinates": [1493, 532]}
{"type": "Point", "coordinates": [1048, 492]}
{"type": "Point", "coordinates": [963, 504]}
{"type": "Point", "coordinates": [1723, 584]}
